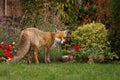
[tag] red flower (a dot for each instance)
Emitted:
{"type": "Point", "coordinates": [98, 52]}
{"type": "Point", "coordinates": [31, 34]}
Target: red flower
{"type": "Point", "coordinates": [1, 46]}
{"type": "Point", "coordinates": [9, 47]}
{"type": "Point", "coordinates": [7, 53]}
{"type": "Point", "coordinates": [77, 47]}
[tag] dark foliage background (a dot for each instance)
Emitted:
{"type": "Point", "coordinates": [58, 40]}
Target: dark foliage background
{"type": "Point", "coordinates": [115, 28]}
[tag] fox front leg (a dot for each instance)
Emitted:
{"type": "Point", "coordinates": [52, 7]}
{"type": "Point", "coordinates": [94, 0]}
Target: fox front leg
{"type": "Point", "coordinates": [47, 56]}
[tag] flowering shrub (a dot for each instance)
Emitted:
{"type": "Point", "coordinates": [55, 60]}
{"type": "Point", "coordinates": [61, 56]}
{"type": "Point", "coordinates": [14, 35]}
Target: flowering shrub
{"type": "Point", "coordinates": [93, 39]}
{"type": "Point", "coordinates": [6, 51]}
{"type": "Point", "coordinates": [70, 55]}
{"type": "Point", "coordinates": [90, 55]}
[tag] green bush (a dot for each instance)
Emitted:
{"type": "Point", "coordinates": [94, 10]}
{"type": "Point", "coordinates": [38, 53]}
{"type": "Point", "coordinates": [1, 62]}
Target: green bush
{"type": "Point", "coordinates": [93, 40]}
{"type": "Point", "coordinates": [93, 34]}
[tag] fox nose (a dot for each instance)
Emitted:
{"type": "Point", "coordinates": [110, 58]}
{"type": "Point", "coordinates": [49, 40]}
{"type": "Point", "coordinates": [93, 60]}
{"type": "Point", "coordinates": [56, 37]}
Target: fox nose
{"type": "Point", "coordinates": [62, 42]}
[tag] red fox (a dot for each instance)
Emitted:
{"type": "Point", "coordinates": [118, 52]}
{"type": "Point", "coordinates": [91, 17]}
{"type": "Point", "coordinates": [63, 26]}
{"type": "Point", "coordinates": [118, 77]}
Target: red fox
{"type": "Point", "coordinates": [36, 38]}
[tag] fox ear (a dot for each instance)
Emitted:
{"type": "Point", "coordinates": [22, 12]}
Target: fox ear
{"type": "Point", "coordinates": [56, 30]}
{"type": "Point", "coordinates": [66, 31]}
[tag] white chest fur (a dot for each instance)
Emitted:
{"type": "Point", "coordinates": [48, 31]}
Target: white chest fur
{"type": "Point", "coordinates": [55, 44]}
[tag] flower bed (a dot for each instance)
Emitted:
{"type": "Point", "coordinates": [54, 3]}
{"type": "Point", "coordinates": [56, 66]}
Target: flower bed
{"type": "Point", "coordinates": [5, 51]}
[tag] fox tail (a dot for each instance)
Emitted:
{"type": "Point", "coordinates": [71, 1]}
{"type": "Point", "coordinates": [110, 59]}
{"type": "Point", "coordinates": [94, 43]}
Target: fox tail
{"type": "Point", "coordinates": [23, 48]}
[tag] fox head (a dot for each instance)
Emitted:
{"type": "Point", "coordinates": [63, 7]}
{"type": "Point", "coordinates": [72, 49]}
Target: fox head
{"type": "Point", "coordinates": [60, 36]}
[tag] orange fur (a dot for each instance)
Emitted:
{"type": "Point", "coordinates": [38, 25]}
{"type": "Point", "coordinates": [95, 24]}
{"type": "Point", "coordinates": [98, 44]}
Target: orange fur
{"type": "Point", "coordinates": [36, 38]}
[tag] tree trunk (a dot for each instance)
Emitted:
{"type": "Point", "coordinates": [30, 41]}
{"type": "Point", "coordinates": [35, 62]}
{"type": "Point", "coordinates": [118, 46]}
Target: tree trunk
{"type": "Point", "coordinates": [16, 8]}
{"type": "Point", "coordinates": [13, 8]}
{"type": "Point", "coordinates": [2, 8]}
{"type": "Point", "coordinates": [8, 12]}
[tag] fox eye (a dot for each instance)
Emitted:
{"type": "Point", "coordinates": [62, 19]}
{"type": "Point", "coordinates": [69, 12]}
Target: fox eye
{"type": "Point", "coordinates": [64, 37]}
{"type": "Point", "coordinates": [59, 37]}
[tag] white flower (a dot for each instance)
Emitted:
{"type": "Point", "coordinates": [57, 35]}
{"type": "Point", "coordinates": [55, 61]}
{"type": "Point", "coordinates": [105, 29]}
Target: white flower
{"type": "Point", "coordinates": [13, 43]}
{"type": "Point", "coordinates": [2, 42]}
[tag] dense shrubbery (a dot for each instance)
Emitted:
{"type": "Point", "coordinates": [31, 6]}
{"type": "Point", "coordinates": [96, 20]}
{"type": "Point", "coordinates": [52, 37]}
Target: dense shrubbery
{"type": "Point", "coordinates": [48, 15]}
{"type": "Point", "coordinates": [55, 13]}
{"type": "Point", "coordinates": [93, 40]}
{"type": "Point", "coordinates": [115, 29]}
{"type": "Point", "coordinates": [93, 34]}
{"type": "Point", "coordinates": [10, 34]}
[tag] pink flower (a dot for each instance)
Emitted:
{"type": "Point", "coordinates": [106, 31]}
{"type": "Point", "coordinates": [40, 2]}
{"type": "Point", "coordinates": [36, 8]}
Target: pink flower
{"type": "Point", "coordinates": [71, 51]}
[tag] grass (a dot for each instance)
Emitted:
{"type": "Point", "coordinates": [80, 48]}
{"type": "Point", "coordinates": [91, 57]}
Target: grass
{"type": "Point", "coordinates": [59, 71]}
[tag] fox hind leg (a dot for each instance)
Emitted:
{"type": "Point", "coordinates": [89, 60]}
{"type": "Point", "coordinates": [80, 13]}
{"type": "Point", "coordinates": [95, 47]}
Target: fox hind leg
{"type": "Point", "coordinates": [36, 55]}
{"type": "Point", "coordinates": [28, 59]}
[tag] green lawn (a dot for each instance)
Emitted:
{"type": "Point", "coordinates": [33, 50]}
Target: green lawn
{"type": "Point", "coordinates": [59, 71]}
